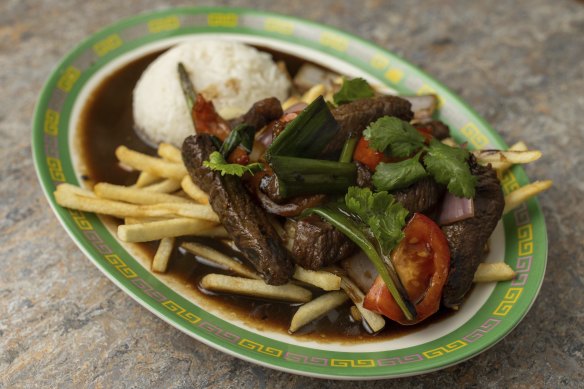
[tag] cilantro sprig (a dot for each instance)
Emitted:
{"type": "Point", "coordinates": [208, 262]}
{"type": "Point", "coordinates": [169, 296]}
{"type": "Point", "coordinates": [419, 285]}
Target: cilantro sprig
{"type": "Point", "coordinates": [351, 90]}
{"type": "Point", "coordinates": [447, 165]}
{"type": "Point", "coordinates": [399, 136]}
{"type": "Point", "coordinates": [399, 175]}
{"type": "Point", "coordinates": [218, 163]}
{"type": "Point", "coordinates": [384, 216]}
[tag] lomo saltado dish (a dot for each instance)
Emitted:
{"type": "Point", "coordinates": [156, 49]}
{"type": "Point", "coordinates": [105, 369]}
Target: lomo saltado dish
{"type": "Point", "coordinates": [292, 194]}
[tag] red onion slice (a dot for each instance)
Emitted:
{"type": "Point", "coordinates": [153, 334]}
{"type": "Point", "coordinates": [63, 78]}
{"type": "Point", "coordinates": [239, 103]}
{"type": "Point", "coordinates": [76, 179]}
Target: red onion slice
{"type": "Point", "coordinates": [455, 209]}
{"type": "Point", "coordinates": [296, 108]}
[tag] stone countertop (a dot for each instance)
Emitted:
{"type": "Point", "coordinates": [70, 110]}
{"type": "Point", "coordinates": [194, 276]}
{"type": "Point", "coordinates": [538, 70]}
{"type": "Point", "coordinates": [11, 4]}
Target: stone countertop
{"type": "Point", "coordinates": [519, 64]}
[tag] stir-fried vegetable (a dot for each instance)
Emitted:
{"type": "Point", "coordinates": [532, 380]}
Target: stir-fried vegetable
{"type": "Point", "coordinates": [242, 135]}
{"type": "Point", "coordinates": [422, 260]}
{"type": "Point", "coordinates": [369, 156]}
{"type": "Point", "coordinates": [293, 156]}
{"type": "Point", "coordinates": [398, 175]}
{"type": "Point", "coordinates": [446, 164]}
{"type": "Point", "coordinates": [401, 138]}
{"type": "Point", "coordinates": [308, 134]}
{"type": "Point", "coordinates": [303, 176]}
{"type": "Point", "coordinates": [374, 223]}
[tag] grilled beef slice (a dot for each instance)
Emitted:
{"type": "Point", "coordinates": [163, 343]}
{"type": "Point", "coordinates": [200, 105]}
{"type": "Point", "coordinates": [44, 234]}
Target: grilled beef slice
{"type": "Point", "coordinates": [354, 117]}
{"type": "Point", "coordinates": [467, 238]}
{"type": "Point", "coordinates": [317, 243]}
{"type": "Point", "coordinates": [438, 129]}
{"type": "Point", "coordinates": [261, 113]}
{"type": "Point", "coordinates": [422, 196]}
{"type": "Point", "coordinates": [246, 223]}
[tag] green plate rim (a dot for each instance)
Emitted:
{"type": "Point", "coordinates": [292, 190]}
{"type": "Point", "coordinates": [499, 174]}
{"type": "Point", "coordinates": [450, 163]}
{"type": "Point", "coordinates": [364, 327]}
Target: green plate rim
{"type": "Point", "coordinates": [525, 229]}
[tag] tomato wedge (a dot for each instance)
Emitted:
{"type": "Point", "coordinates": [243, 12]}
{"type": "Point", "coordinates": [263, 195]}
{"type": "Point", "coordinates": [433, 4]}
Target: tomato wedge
{"type": "Point", "coordinates": [371, 158]}
{"type": "Point", "coordinates": [422, 261]}
{"type": "Point", "coordinates": [208, 121]}
{"type": "Point", "coordinates": [367, 156]}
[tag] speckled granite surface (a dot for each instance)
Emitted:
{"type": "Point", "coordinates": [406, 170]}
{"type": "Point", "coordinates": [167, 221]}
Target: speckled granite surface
{"type": "Point", "coordinates": [519, 64]}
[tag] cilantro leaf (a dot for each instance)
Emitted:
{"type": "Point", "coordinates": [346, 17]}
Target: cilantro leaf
{"type": "Point", "coordinates": [383, 215]}
{"type": "Point", "coordinates": [399, 136]}
{"type": "Point", "coordinates": [218, 163]}
{"type": "Point", "coordinates": [398, 175]}
{"type": "Point", "coordinates": [448, 166]}
{"type": "Point", "coordinates": [352, 90]}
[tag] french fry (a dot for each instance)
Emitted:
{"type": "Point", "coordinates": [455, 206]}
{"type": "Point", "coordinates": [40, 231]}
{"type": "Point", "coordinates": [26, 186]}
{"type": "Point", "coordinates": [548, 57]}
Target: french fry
{"type": "Point", "coordinates": [316, 308]}
{"type": "Point", "coordinates": [515, 198]}
{"type": "Point", "coordinates": [102, 206]}
{"type": "Point", "coordinates": [135, 195]}
{"type": "Point", "coordinates": [501, 167]}
{"type": "Point", "coordinates": [255, 288]}
{"type": "Point", "coordinates": [75, 190]}
{"type": "Point", "coordinates": [121, 210]}
{"type": "Point", "coordinates": [321, 279]}
{"type": "Point", "coordinates": [140, 220]}
{"type": "Point", "coordinates": [375, 321]}
{"type": "Point", "coordinates": [489, 272]}
{"type": "Point", "coordinates": [220, 259]}
{"type": "Point", "coordinates": [167, 185]}
{"type": "Point", "coordinates": [196, 211]}
{"type": "Point", "coordinates": [450, 142]}
{"type": "Point", "coordinates": [231, 112]}
{"type": "Point", "coordinates": [162, 256]}
{"type": "Point", "coordinates": [510, 156]}
{"type": "Point", "coordinates": [152, 165]}
{"type": "Point", "coordinates": [290, 102]}
{"type": "Point", "coordinates": [145, 179]}
{"type": "Point", "coordinates": [313, 93]}
{"type": "Point", "coordinates": [146, 232]}
{"type": "Point", "coordinates": [194, 191]}
{"type": "Point", "coordinates": [170, 153]}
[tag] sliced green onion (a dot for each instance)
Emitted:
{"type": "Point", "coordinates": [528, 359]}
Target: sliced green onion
{"type": "Point", "coordinates": [307, 135]}
{"type": "Point", "coordinates": [302, 176]}
{"type": "Point", "coordinates": [242, 135]}
{"type": "Point", "coordinates": [349, 149]}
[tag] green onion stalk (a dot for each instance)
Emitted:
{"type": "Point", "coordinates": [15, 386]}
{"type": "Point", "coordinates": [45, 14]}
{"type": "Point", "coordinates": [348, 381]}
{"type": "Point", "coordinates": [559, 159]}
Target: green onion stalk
{"type": "Point", "coordinates": [303, 176]}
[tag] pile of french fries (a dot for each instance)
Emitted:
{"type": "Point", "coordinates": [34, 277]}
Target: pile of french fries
{"type": "Point", "coordinates": [165, 203]}
{"type": "Point", "coordinates": [162, 205]}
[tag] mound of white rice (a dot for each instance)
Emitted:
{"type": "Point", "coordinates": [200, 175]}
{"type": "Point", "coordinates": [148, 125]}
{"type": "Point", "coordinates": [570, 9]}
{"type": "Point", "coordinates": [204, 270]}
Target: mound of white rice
{"type": "Point", "coordinates": [231, 74]}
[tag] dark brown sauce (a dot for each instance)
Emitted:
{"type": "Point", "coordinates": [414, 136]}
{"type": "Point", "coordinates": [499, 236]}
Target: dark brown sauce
{"type": "Point", "coordinates": [106, 122]}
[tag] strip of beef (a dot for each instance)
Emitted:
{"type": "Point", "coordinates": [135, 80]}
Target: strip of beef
{"type": "Point", "coordinates": [436, 128]}
{"type": "Point", "coordinates": [246, 223]}
{"type": "Point", "coordinates": [261, 113]}
{"type": "Point", "coordinates": [354, 117]}
{"type": "Point", "coordinates": [467, 238]}
{"type": "Point", "coordinates": [422, 196]}
{"type": "Point", "coordinates": [363, 176]}
{"type": "Point", "coordinates": [317, 243]}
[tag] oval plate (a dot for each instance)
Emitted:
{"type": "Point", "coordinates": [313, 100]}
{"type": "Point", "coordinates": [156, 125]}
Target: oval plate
{"type": "Point", "coordinates": [490, 312]}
